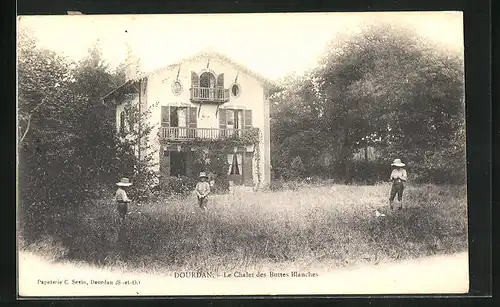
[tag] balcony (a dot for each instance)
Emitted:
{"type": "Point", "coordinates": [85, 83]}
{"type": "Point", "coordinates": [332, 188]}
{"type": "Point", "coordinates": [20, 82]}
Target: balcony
{"type": "Point", "coordinates": [209, 94]}
{"type": "Point", "coordinates": [186, 134]}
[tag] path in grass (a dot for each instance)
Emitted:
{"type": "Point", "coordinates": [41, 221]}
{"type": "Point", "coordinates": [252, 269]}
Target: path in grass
{"type": "Point", "coordinates": [436, 274]}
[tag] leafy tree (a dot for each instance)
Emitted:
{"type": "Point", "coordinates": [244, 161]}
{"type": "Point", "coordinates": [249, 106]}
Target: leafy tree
{"type": "Point", "coordinates": [385, 88]}
{"type": "Point", "coordinates": [96, 120]}
{"type": "Point", "coordinates": [48, 180]}
{"type": "Point", "coordinates": [138, 167]}
{"type": "Point", "coordinates": [389, 88]}
{"type": "Point", "coordinates": [295, 115]}
{"type": "Point", "coordinates": [66, 136]}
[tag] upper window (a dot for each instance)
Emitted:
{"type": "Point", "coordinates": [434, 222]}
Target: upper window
{"type": "Point", "coordinates": [235, 90]}
{"type": "Point", "coordinates": [207, 79]}
{"type": "Point", "coordinates": [176, 87]}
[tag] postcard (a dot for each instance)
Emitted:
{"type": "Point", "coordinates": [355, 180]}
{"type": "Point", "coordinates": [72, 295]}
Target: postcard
{"type": "Point", "coordinates": [241, 154]}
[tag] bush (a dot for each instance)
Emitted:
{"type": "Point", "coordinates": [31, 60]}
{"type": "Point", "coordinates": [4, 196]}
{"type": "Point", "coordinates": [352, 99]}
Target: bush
{"type": "Point", "coordinates": [221, 185]}
{"type": "Point", "coordinates": [297, 167]}
{"type": "Point", "coordinates": [276, 185]}
{"type": "Point", "coordinates": [178, 185]}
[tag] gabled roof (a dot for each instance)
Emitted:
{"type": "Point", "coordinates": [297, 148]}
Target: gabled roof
{"type": "Point", "coordinates": [210, 53]}
{"type": "Point", "coordinates": [207, 53]}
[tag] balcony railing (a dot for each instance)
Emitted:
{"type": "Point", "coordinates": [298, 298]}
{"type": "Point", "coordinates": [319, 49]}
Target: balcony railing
{"type": "Point", "coordinates": [186, 134]}
{"type": "Point", "coordinates": [209, 94]}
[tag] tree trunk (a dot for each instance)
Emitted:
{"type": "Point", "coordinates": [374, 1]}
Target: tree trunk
{"type": "Point", "coordinates": [345, 159]}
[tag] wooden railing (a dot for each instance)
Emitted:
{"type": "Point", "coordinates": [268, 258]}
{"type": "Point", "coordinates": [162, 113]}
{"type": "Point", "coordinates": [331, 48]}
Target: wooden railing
{"type": "Point", "coordinates": [209, 94]}
{"type": "Point", "coordinates": [180, 133]}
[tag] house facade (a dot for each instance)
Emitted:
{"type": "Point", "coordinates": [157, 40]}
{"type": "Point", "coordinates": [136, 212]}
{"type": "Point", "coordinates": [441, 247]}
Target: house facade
{"type": "Point", "coordinates": [207, 96]}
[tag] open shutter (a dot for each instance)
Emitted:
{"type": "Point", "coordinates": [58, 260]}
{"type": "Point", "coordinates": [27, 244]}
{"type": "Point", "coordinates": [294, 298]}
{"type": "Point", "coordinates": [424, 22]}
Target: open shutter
{"type": "Point", "coordinates": [220, 80]}
{"type": "Point", "coordinates": [248, 119]}
{"type": "Point", "coordinates": [165, 116]}
{"type": "Point", "coordinates": [222, 119]}
{"type": "Point", "coordinates": [122, 122]}
{"type": "Point", "coordinates": [192, 117]}
{"type": "Point", "coordinates": [195, 79]}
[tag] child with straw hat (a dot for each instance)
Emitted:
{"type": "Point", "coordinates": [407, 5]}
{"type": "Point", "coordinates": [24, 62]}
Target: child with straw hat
{"type": "Point", "coordinates": [121, 197]}
{"type": "Point", "coordinates": [398, 178]}
{"type": "Point", "coordinates": [202, 190]}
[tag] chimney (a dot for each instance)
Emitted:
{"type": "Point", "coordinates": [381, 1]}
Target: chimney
{"type": "Point", "coordinates": [133, 65]}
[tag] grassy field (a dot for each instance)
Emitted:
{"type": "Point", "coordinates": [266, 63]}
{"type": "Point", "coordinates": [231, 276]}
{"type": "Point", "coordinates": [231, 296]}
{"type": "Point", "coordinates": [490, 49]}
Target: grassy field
{"type": "Point", "coordinates": [333, 224]}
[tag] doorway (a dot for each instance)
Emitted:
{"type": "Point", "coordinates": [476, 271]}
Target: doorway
{"type": "Point", "coordinates": [178, 166]}
{"type": "Point", "coordinates": [207, 84]}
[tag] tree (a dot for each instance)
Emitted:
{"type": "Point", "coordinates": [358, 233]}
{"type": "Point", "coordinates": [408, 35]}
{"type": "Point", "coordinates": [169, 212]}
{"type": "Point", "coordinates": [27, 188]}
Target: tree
{"type": "Point", "coordinates": [47, 178]}
{"type": "Point", "coordinates": [389, 88]}
{"type": "Point", "coordinates": [96, 120]}
{"type": "Point", "coordinates": [295, 115]}
{"type": "Point", "coordinates": [67, 146]}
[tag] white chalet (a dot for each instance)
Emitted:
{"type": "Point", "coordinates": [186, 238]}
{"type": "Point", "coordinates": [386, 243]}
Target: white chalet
{"type": "Point", "coordinates": [205, 96]}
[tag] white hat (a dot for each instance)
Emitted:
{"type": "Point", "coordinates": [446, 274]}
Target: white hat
{"type": "Point", "coordinates": [203, 175]}
{"type": "Point", "coordinates": [397, 162]}
{"type": "Point", "coordinates": [124, 183]}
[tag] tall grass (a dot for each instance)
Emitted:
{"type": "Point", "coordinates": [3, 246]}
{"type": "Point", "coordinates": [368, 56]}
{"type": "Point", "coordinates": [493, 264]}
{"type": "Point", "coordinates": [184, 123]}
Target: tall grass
{"type": "Point", "coordinates": [312, 224]}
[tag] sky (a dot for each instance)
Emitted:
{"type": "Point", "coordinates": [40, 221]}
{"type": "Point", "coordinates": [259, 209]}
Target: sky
{"type": "Point", "coordinates": [273, 45]}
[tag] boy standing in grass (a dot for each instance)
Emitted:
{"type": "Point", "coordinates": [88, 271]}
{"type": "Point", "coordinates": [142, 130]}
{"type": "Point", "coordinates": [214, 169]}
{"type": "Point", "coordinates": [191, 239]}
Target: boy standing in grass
{"type": "Point", "coordinates": [398, 178]}
{"type": "Point", "coordinates": [202, 190]}
{"type": "Point", "coordinates": [121, 197]}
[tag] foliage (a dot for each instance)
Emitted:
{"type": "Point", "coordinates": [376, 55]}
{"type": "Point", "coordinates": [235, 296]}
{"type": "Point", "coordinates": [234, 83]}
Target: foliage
{"type": "Point", "coordinates": [297, 167]}
{"type": "Point", "coordinates": [50, 165]}
{"type": "Point", "coordinates": [295, 115]}
{"type": "Point", "coordinates": [67, 142]}
{"type": "Point", "coordinates": [386, 88]}
{"type": "Point", "coordinates": [135, 154]}
{"type": "Point", "coordinates": [178, 185]}
{"type": "Point", "coordinates": [210, 155]}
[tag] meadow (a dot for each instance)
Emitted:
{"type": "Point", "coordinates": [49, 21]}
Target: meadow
{"type": "Point", "coordinates": [306, 225]}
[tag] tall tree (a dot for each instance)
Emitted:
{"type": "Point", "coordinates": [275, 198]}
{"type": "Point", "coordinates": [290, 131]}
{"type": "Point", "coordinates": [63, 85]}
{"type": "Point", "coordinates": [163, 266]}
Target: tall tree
{"type": "Point", "coordinates": [96, 124]}
{"type": "Point", "coordinates": [295, 114]}
{"type": "Point", "coordinates": [47, 138]}
{"type": "Point", "coordinates": [66, 135]}
{"type": "Point", "coordinates": [389, 87]}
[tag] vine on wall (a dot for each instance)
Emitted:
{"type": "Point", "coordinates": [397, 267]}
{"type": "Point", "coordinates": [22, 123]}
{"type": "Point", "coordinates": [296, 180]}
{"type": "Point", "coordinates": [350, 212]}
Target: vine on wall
{"type": "Point", "coordinates": [210, 154]}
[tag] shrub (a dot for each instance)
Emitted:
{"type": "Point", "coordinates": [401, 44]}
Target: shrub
{"type": "Point", "coordinates": [297, 166]}
{"type": "Point", "coordinates": [276, 185]}
{"type": "Point", "coordinates": [178, 185]}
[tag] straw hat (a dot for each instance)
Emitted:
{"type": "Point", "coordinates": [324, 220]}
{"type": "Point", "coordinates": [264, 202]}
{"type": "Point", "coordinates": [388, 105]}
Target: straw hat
{"type": "Point", "coordinates": [203, 175]}
{"type": "Point", "coordinates": [397, 162]}
{"type": "Point", "coordinates": [124, 183]}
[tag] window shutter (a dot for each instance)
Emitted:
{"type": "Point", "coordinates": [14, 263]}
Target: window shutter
{"type": "Point", "coordinates": [222, 119]}
{"type": "Point", "coordinates": [122, 122]}
{"type": "Point", "coordinates": [248, 119]}
{"type": "Point", "coordinates": [165, 116]}
{"type": "Point", "coordinates": [192, 117]}
{"type": "Point", "coordinates": [195, 79]}
{"type": "Point", "coordinates": [220, 80]}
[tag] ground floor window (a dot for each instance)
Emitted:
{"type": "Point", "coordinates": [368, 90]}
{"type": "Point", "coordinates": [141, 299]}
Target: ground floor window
{"type": "Point", "coordinates": [235, 164]}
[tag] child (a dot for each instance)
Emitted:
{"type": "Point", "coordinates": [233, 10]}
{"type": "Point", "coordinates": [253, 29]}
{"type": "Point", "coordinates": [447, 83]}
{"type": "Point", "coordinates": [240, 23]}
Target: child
{"type": "Point", "coordinates": [398, 177]}
{"type": "Point", "coordinates": [121, 197]}
{"type": "Point", "coordinates": [202, 190]}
